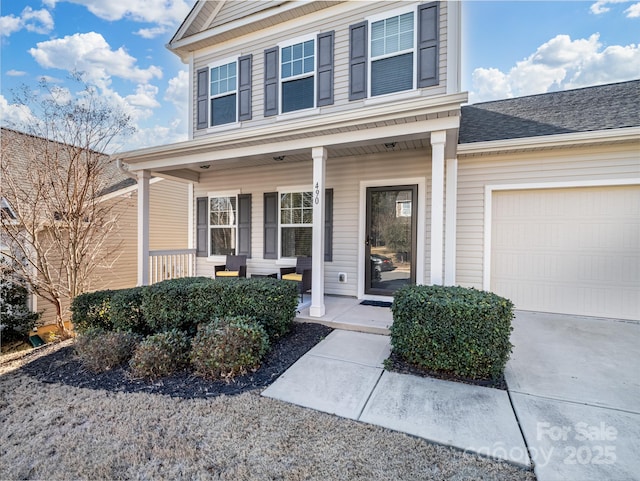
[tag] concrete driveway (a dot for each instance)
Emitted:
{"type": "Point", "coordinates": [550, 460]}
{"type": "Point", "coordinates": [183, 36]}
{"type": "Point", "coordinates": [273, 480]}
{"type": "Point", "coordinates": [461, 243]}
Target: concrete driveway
{"type": "Point", "coordinates": [574, 384]}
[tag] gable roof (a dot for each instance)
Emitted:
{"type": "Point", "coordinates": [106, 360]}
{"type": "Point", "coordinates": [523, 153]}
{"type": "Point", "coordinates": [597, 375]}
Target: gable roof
{"type": "Point", "coordinates": [602, 107]}
{"type": "Point", "coordinates": [16, 147]}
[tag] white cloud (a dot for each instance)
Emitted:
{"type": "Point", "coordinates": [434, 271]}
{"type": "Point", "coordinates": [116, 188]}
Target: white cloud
{"type": "Point", "coordinates": [16, 73]}
{"type": "Point", "coordinates": [37, 21]}
{"type": "Point", "coordinates": [558, 64]}
{"type": "Point", "coordinates": [15, 116]}
{"type": "Point", "coordinates": [90, 54]}
{"type": "Point", "coordinates": [150, 32]}
{"type": "Point", "coordinates": [600, 6]}
{"type": "Point", "coordinates": [162, 12]}
{"type": "Point", "coordinates": [145, 96]}
{"type": "Point", "coordinates": [178, 90]}
{"type": "Point", "coordinates": [633, 11]}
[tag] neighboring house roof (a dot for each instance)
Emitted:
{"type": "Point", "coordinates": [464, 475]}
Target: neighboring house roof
{"type": "Point", "coordinates": [15, 153]}
{"type": "Point", "coordinates": [602, 107]}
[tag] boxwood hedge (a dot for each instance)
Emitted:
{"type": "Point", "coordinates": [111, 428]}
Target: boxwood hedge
{"type": "Point", "coordinates": [456, 330]}
{"type": "Point", "coordinates": [92, 310]}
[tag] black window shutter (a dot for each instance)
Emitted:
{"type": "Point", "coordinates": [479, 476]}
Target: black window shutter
{"type": "Point", "coordinates": [202, 226]}
{"type": "Point", "coordinates": [328, 225]}
{"type": "Point", "coordinates": [358, 61]}
{"type": "Point", "coordinates": [271, 82]}
{"type": "Point", "coordinates": [325, 69]}
{"type": "Point", "coordinates": [244, 225]}
{"type": "Point", "coordinates": [244, 87]}
{"type": "Point", "coordinates": [203, 98]}
{"type": "Point", "coordinates": [428, 28]}
{"type": "Point", "coordinates": [270, 225]}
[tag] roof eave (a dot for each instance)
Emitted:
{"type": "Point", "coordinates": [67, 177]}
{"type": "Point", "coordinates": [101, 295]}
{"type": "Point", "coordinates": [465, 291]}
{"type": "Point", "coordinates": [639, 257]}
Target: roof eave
{"type": "Point", "coordinates": [625, 134]}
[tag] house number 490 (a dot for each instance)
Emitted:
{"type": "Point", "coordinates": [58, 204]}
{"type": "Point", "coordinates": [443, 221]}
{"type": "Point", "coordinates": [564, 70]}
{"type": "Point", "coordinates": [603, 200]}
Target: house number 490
{"type": "Point", "coordinates": [316, 199]}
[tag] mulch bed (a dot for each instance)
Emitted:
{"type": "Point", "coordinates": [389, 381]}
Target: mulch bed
{"type": "Point", "coordinates": [396, 364]}
{"type": "Point", "coordinates": [64, 367]}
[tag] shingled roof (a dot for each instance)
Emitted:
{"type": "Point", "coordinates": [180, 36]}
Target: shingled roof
{"type": "Point", "coordinates": [602, 107]}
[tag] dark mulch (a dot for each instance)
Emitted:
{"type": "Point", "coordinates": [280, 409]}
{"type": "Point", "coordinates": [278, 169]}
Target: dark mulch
{"type": "Point", "coordinates": [64, 367]}
{"type": "Point", "coordinates": [397, 364]}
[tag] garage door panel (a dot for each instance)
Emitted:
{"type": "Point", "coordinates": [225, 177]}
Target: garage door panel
{"type": "Point", "coordinates": [574, 251]}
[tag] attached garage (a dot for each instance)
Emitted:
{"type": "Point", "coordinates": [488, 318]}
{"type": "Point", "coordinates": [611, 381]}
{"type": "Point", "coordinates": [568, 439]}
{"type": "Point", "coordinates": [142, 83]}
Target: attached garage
{"type": "Point", "coordinates": [567, 250]}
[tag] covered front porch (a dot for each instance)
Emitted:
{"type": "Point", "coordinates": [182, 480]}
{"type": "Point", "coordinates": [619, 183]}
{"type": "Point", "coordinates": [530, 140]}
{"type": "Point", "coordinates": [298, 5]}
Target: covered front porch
{"type": "Point", "coordinates": [407, 145]}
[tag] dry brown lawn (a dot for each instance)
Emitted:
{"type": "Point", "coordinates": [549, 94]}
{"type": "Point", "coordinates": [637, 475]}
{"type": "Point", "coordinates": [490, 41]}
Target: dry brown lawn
{"type": "Point", "coordinates": [52, 431]}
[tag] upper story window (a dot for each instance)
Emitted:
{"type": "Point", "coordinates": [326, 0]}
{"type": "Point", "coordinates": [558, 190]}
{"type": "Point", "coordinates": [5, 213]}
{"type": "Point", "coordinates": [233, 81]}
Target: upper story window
{"type": "Point", "coordinates": [222, 225]}
{"type": "Point", "coordinates": [297, 73]}
{"type": "Point", "coordinates": [395, 52]}
{"type": "Point", "coordinates": [223, 93]}
{"type": "Point", "coordinates": [392, 54]}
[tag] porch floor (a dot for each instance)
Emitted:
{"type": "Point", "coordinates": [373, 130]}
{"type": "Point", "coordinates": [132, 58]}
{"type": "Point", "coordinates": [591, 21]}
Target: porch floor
{"type": "Point", "coordinates": [347, 313]}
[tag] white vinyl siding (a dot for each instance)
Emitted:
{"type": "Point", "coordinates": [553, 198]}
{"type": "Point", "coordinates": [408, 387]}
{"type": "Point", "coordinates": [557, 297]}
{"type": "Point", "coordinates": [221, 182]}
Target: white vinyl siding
{"type": "Point", "coordinates": [323, 21]}
{"type": "Point", "coordinates": [343, 176]}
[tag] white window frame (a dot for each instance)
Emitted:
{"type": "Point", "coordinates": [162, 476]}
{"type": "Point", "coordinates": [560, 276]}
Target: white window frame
{"type": "Point", "coordinates": [211, 66]}
{"type": "Point", "coordinates": [4, 205]}
{"type": "Point", "coordinates": [289, 190]}
{"type": "Point", "coordinates": [211, 195]}
{"type": "Point", "coordinates": [383, 16]}
{"type": "Point", "coordinates": [281, 81]}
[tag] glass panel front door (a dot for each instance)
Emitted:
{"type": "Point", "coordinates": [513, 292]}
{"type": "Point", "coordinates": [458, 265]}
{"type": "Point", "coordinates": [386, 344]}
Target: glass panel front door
{"type": "Point", "coordinates": [390, 238]}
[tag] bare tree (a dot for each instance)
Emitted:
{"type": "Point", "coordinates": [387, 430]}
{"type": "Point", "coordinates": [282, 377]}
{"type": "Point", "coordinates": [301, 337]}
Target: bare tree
{"type": "Point", "coordinates": [53, 179]}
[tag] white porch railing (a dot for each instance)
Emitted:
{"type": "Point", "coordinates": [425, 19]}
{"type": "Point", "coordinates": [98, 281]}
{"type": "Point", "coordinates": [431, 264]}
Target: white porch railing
{"type": "Point", "coordinates": [171, 264]}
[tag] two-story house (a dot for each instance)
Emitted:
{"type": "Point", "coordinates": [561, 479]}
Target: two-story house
{"type": "Point", "coordinates": [331, 130]}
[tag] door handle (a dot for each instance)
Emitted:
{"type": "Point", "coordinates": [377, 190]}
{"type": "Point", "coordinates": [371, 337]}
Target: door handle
{"type": "Point", "coordinates": [367, 241]}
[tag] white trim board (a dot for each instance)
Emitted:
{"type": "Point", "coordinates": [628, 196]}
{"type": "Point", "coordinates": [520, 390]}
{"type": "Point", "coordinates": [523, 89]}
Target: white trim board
{"type": "Point", "coordinates": [488, 198]}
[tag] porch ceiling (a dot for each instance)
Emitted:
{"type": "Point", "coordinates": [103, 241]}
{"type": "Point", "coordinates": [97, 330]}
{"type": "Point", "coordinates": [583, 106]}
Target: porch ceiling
{"type": "Point", "coordinates": [407, 124]}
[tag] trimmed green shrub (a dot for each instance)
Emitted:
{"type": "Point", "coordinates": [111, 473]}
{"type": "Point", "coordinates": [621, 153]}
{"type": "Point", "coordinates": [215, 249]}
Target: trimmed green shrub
{"type": "Point", "coordinates": [165, 305]}
{"type": "Point", "coordinates": [271, 302]}
{"type": "Point", "coordinates": [92, 310]}
{"type": "Point", "coordinates": [101, 350]}
{"type": "Point", "coordinates": [456, 330]}
{"type": "Point", "coordinates": [16, 320]}
{"type": "Point", "coordinates": [160, 355]}
{"type": "Point", "coordinates": [225, 348]}
{"type": "Point", "coordinates": [126, 311]}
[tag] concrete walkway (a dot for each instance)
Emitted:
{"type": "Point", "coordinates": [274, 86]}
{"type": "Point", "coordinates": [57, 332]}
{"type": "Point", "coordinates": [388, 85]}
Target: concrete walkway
{"type": "Point", "coordinates": [575, 387]}
{"type": "Point", "coordinates": [343, 375]}
{"type": "Point", "coordinates": [574, 392]}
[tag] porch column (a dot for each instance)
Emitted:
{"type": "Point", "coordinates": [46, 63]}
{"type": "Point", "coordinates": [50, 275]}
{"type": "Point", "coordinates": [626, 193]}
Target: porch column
{"type": "Point", "coordinates": [437, 206]}
{"type": "Point", "coordinates": [450, 222]}
{"type": "Point", "coordinates": [317, 308]}
{"type": "Point", "coordinates": [143, 227]}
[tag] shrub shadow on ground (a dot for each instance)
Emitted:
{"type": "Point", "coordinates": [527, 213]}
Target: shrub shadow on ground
{"type": "Point", "coordinates": [64, 367]}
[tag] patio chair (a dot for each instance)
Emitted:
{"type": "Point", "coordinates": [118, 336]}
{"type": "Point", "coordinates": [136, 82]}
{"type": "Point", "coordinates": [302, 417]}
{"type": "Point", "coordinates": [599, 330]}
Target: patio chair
{"type": "Point", "coordinates": [301, 273]}
{"type": "Point", "coordinates": [235, 266]}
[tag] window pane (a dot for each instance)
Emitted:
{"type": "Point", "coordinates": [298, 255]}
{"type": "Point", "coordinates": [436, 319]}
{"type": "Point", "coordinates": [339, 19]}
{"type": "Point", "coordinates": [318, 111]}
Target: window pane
{"type": "Point", "coordinates": [286, 70]}
{"type": "Point", "coordinates": [307, 216]}
{"type": "Point", "coordinates": [223, 241]}
{"type": "Point", "coordinates": [222, 210]}
{"type": "Point", "coordinates": [308, 48]}
{"type": "Point", "coordinates": [223, 110]}
{"type": "Point", "coordinates": [232, 69]}
{"type": "Point", "coordinates": [297, 67]}
{"type": "Point", "coordinates": [392, 35]}
{"type": "Point", "coordinates": [297, 50]}
{"type": "Point", "coordinates": [215, 74]}
{"type": "Point", "coordinates": [285, 200]}
{"type": "Point", "coordinates": [307, 200]}
{"type": "Point", "coordinates": [308, 65]}
{"type": "Point", "coordinates": [393, 74]}
{"type": "Point", "coordinates": [286, 54]}
{"type": "Point", "coordinates": [377, 47]}
{"type": "Point", "coordinates": [296, 241]}
{"type": "Point", "coordinates": [298, 94]}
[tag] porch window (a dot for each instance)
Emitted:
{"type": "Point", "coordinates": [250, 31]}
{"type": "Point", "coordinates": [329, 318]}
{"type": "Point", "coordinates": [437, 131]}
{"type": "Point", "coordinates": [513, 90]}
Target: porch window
{"type": "Point", "coordinates": [392, 54]}
{"type": "Point", "coordinates": [223, 93]}
{"type": "Point", "coordinates": [296, 224]}
{"type": "Point", "coordinates": [222, 225]}
{"type": "Point", "coordinates": [297, 73]}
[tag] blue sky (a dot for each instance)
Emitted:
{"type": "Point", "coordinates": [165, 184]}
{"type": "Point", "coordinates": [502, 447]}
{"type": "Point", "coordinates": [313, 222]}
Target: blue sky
{"type": "Point", "coordinates": [510, 48]}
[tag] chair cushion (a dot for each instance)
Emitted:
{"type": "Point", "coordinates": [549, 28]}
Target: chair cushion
{"type": "Point", "coordinates": [293, 277]}
{"type": "Point", "coordinates": [227, 274]}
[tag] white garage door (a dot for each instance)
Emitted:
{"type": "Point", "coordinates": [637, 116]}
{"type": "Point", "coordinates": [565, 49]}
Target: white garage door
{"type": "Point", "coordinates": [573, 251]}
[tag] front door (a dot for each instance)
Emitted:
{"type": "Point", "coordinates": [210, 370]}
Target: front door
{"type": "Point", "coordinates": [390, 242]}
